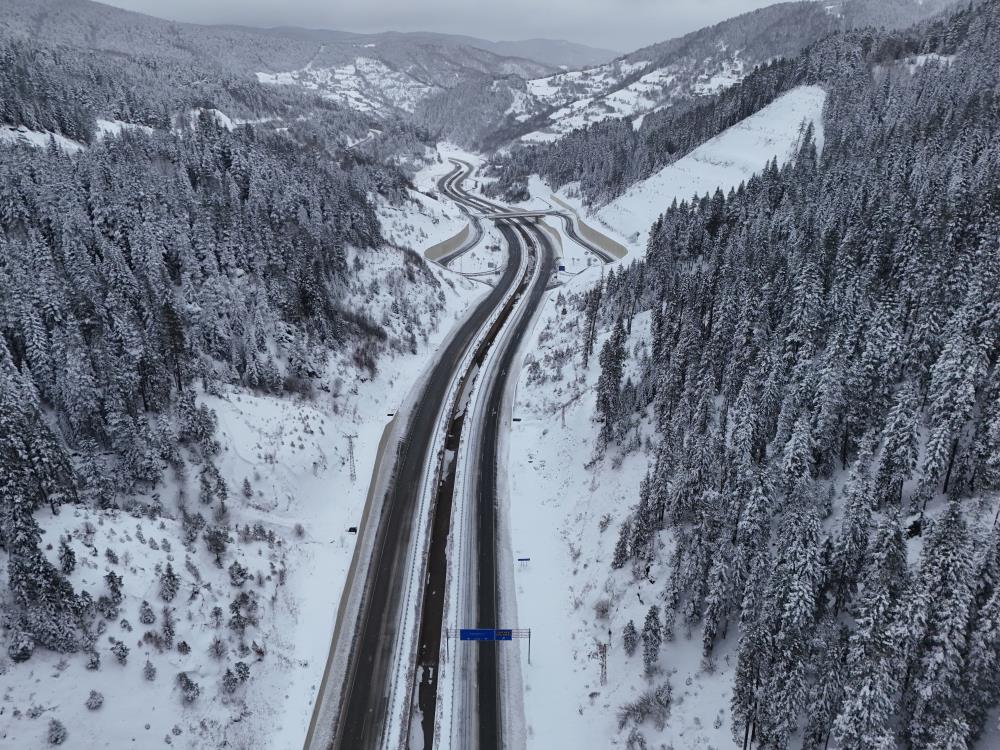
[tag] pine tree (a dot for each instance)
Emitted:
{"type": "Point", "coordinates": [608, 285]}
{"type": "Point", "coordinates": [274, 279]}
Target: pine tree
{"type": "Point", "coordinates": [943, 598]}
{"type": "Point", "coordinates": [621, 546]}
{"type": "Point", "coordinates": [612, 361]}
{"type": "Point", "coordinates": [67, 558]}
{"type": "Point", "coordinates": [874, 660]}
{"type": "Point", "coordinates": [169, 584]}
{"type": "Point", "coordinates": [651, 639]}
{"type": "Point", "coordinates": [630, 638]}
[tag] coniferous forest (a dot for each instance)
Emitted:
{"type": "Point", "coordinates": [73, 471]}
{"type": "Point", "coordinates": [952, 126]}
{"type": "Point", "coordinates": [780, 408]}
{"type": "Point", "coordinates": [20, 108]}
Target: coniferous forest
{"type": "Point", "coordinates": [824, 386]}
{"type": "Point", "coordinates": [145, 269]}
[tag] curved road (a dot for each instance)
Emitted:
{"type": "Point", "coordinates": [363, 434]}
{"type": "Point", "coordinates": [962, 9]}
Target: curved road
{"type": "Point", "coordinates": [489, 424]}
{"type": "Point", "coordinates": [363, 710]}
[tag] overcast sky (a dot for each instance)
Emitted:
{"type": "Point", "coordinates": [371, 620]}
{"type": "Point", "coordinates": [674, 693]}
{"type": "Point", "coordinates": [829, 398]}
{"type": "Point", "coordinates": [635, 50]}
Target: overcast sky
{"type": "Point", "coordinates": [622, 25]}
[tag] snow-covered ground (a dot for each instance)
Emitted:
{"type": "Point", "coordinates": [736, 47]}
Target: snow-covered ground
{"type": "Point", "coordinates": [40, 138]}
{"type": "Point", "coordinates": [425, 218]}
{"type": "Point", "coordinates": [303, 490]}
{"type": "Point", "coordinates": [723, 162]}
{"type": "Point", "coordinates": [106, 128]}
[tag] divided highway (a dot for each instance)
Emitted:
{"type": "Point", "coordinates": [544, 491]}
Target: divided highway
{"type": "Point", "coordinates": [370, 689]}
{"type": "Point", "coordinates": [354, 714]}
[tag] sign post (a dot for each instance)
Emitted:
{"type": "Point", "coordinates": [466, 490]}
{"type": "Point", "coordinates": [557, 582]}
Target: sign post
{"type": "Point", "coordinates": [482, 635]}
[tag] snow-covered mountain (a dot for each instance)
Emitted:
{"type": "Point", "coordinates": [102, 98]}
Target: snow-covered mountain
{"type": "Point", "coordinates": [383, 73]}
{"type": "Point", "coordinates": [651, 79]}
{"type": "Point", "coordinates": [390, 72]}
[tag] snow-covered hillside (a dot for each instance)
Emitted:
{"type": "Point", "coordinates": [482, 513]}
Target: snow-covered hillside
{"type": "Point", "coordinates": [561, 505]}
{"type": "Point", "coordinates": [586, 97]}
{"type": "Point", "coordinates": [723, 162]}
{"type": "Point", "coordinates": [366, 84]}
{"type": "Point", "coordinates": [299, 471]}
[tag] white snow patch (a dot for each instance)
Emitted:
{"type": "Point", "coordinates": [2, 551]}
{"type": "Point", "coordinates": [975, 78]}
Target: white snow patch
{"type": "Point", "coordinates": [40, 138]}
{"type": "Point", "coordinates": [113, 128]}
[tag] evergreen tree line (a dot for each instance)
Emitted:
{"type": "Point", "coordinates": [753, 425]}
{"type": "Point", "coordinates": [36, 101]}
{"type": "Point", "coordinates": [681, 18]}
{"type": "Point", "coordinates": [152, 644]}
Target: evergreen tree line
{"type": "Point", "coordinates": [825, 390]}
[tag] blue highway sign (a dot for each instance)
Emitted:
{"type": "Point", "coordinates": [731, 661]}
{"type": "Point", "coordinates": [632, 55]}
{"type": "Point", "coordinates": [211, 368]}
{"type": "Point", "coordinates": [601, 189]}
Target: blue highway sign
{"type": "Point", "coordinates": [477, 634]}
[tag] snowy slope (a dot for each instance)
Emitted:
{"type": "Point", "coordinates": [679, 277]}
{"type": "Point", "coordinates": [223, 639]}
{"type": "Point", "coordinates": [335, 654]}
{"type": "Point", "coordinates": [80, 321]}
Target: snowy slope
{"type": "Point", "coordinates": [723, 162]}
{"type": "Point", "coordinates": [306, 484]}
{"type": "Point", "coordinates": [366, 84]}
{"type": "Point", "coordinates": [610, 92]}
{"type": "Point", "coordinates": [10, 134]}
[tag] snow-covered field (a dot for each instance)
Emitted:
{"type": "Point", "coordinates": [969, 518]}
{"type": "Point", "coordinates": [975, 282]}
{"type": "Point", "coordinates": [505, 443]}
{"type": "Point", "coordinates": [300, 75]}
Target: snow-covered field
{"type": "Point", "coordinates": [723, 162]}
{"type": "Point", "coordinates": [297, 471]}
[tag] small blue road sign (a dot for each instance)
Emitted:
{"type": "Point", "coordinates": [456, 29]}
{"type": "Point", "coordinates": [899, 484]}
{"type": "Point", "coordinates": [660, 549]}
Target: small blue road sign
{"type": "Point", "coordinates": [486, 634]}
{"type": "Point", "coordinates": [477, 634]}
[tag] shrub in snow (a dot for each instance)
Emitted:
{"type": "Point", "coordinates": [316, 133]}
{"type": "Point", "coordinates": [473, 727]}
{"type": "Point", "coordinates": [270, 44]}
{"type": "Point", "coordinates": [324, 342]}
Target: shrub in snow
{"type": "Point", "coordinates": [653, 704]}
{"type": "Point", "coordinates": [242, 671]}
{"type": "Point", "coordinates": [247, 489]}
{"type": "Point", "coordinates": [146, 616]}
{"type": "Point", "coordinates": [230, 682]}
{"type": "Point", "coordinates": [601, 609]}
{"type": "Point", "coordinates": [93, 660]}
{"type": "Point", "coordinates": [111, 555]}
{"type": "Point", "coordinates": [95, 700]}
{"type": "Point", "coordinates": [107, 608]}
{"type": "Point", "coordinates": [149, 671]}
{"type": "Point", "coordinates": [120, 650]}
{"type": "Point", "coordinates": [218, 649]}
{"type": "Point", "coordinates": [238, 574]}
{"type": "Point", "coordinates": [57, 732]}
{"type": "Point", "coordinates": [183, 647]}
{"type": "Point", "coordinates": [636, 740]}
{"type": "Point", "coordinates": [21, 646]}
{"type": "Point", "coordinates": [190, 690]}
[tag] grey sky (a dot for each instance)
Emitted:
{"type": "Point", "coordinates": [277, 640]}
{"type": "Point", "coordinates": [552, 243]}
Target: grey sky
{"type": "Point", "coordinates": [623, 25]}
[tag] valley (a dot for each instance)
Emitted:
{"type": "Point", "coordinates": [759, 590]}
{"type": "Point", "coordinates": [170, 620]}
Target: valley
{"type": "Point", "coordinates": [411, 389]}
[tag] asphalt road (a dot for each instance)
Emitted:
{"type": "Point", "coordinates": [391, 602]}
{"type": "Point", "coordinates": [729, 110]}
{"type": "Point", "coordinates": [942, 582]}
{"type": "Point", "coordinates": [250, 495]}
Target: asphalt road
{"type": "Point", "coordinates": [363, 709]}
{"type": "Point", "coordinates": [491, 423]}
{"type": "Point", "coordinates": [487, 497]}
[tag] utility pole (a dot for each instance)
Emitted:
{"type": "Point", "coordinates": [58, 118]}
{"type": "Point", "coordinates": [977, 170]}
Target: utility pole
{"type": "Point", "coordinates": [350, 454]}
